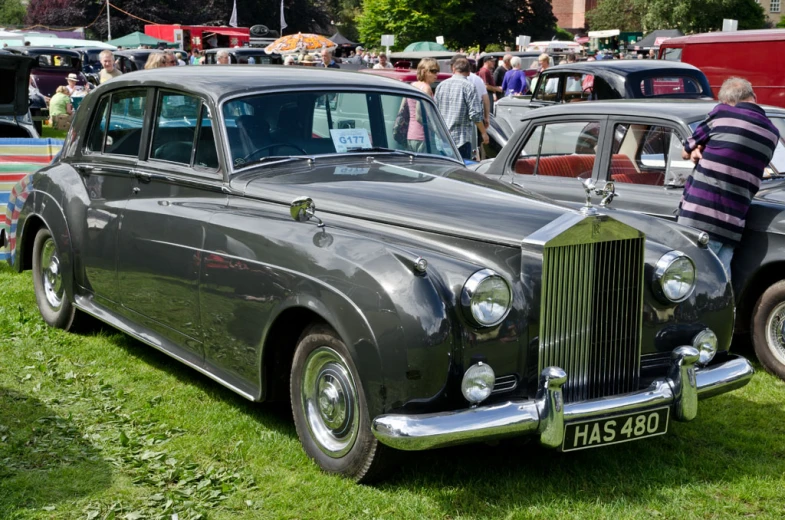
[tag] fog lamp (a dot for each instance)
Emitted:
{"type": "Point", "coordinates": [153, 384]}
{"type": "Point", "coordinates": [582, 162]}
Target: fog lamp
{"type": "Point", "coordinates": [478, 382]}
{"type": "Point", "coordinates": [706, 343]}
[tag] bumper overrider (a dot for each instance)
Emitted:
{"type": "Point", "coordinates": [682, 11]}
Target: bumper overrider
{"type": "Point", "coordinates": [547, 415]}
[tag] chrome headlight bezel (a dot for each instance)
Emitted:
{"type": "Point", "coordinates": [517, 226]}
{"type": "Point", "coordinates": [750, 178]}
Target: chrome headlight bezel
{"type": "Point", "coordinates": [662, 268]}
{"type": "Point", "coordinates": [473, 287]}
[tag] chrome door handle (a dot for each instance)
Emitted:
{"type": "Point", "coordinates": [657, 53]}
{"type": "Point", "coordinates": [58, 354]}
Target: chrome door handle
{"type": "Point", "coordinates": [143, 176]}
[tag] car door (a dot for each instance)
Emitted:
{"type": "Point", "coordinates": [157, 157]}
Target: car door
{"type": "Point", "coordinates": [178, 186]}
{"type": "Point", "coordinates": [555, 155]}
{"type": "Point", "coordinates": [645, 164]}
{"type": "Point", "coordinates": [106, 166]}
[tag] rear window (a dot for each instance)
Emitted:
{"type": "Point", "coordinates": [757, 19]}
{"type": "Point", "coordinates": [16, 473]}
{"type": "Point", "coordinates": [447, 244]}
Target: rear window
{"type": "Point", "coordinates": [658, 86]}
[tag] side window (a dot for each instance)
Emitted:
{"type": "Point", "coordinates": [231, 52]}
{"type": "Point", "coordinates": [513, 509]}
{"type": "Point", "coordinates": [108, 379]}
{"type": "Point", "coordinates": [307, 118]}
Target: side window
{"type": "Point", "coordinates": [577, 87]}
{"type": "Point", "coordinates": [175, 128]}
{"type": "Point", "coordinates": [122, 132]}
{"type": "Point", "coordinates": [560, 150]}
{"type": "Point", "coordinates": [206, 155]}
{"type": "Point", "coordinates": [547, 87]}
{"type": "Point", "coordinates": [647, 154]}
{"type": "Point", "coordinates": [95, 141]}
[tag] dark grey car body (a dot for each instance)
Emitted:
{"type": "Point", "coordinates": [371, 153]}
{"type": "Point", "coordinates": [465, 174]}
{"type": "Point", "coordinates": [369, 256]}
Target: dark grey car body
{"type": "Point", "coordinates": [210, 267]}
{"type": "Point", "coordinates": [759, 261]}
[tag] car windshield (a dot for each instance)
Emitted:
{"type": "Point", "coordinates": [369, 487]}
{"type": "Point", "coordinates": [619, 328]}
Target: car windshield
{"type": "Point", "coordinates": [312, 123]}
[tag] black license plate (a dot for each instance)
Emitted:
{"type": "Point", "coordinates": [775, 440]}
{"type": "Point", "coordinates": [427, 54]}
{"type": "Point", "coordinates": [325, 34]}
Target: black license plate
{"type": "Point", "coordinates": [613, 430]}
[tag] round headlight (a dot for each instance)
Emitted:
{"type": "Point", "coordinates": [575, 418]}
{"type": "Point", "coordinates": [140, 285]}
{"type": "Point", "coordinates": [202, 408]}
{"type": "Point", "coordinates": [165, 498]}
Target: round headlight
{"type": "Point", "coordinates": [706, 343]}
{"type": "Point", "coordinates": [478, 382]}
{"type": "Point", "coordinates": [486, 298]}
{"type": "Point", "coordinates": [674, 277]}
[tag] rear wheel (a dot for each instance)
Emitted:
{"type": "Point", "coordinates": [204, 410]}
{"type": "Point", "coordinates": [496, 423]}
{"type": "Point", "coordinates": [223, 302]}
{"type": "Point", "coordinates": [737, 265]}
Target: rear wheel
{"type": "Point", "coordinates": [768, 329]}
{"type": "Point", "coordinates": [54, 303]}
{"type": "Point", "coordinates": [329, 408]}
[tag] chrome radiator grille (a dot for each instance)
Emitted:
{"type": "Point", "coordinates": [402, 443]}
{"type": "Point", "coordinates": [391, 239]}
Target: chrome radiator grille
{"type": "Point", "coordinates": [590, 323]}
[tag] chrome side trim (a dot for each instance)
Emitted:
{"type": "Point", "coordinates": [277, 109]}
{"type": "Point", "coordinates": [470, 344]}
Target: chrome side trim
{"type": "Point", "coordinates": [85, 305]}
{"type": "Point", "coordinates": [547, 414]}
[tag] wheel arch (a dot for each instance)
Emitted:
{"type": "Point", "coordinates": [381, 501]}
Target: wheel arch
{"type": "Point", "coordinates": [285, 330]}
{"type": "Point", "coordinates": [763, 278]}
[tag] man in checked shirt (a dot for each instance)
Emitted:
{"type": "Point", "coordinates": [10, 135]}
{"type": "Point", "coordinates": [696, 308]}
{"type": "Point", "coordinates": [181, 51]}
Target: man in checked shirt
{"type": "Point", "coordinates": [460, 107]}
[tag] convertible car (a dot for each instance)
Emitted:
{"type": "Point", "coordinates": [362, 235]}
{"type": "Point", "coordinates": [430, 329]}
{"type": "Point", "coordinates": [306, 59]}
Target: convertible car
{"type": "Point", "coordinates": [637, 146]}
{"type": "Point", "coordinates": [274, 233]}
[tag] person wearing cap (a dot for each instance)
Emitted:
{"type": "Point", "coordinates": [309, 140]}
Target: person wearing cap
{"type": "Point", "coordinates": [289, 60]}
{"type": "Point", "coordinates": [72, 87]}
{"type": "Point", "coordinates": [308, 61]}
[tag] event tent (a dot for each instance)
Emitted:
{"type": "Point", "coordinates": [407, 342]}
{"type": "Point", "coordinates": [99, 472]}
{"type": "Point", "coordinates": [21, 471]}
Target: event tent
{"type": "Point", "coordinates": [135, 39]}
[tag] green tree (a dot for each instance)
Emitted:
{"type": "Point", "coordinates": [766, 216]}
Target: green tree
{"type": "Point", "coordinates": [408, 20]}
{"type": "Point", "coordinates": [625, 15]}
{"type": "Point", "coordinates": [463, 23]}
{"type": "Point", "coordinates": [12, 12]}
{"type": "Point", "coordinates": [781, 23]}
{"type": "Point", "coordinates": [695, 16]}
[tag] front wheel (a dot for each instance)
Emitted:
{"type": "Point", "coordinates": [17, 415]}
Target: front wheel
{"type": "Point", "coordinates": [54, 303]}
{"type": "Point", "coordinates": [329, 408]}
{"type": "Point", "coordinates": [768, 329]}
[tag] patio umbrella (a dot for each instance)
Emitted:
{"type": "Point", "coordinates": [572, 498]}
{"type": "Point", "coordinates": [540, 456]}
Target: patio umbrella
{"type": "Point", "coordinates": [299, 42]}
{"type": "Point", "coordinates": [424, 46]}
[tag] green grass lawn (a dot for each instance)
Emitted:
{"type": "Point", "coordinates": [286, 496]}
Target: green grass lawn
{"type": "Point", "coordinates": [101, 426]}
{"type": "Point", "coordinates": [48, 131]}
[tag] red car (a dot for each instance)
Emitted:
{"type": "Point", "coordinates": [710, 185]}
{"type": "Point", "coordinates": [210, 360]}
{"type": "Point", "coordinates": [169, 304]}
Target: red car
{"type": "Point", "coordinates": [405, 75]}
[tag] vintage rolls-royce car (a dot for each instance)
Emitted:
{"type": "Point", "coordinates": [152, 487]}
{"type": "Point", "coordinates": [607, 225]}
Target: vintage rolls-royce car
{"type": "Point", "coordinates": [637, 146]}
{"type": "Point", "coordinates": [599, 81]}
{"type": "Point", "coordinates": [267, 228]}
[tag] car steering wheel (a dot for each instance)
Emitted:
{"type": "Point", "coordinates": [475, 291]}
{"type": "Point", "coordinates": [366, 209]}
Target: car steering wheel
{"type": "Point", "coordinates": [255, 153]}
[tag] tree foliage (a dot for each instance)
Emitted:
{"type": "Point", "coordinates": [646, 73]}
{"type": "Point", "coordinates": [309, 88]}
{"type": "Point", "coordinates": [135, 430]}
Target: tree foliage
{"type": "Point", "coordinates": [301, 15]}
{"type": "Point", "coordinates": [463, 23]}
{"type": "Point", "coordinates": [697, 16]}
{"type": "Point", "coordinates": [690, 16]}
{"type": "Point", "coordinates": [12, 12]}
{"type": "Point", "coordinates": [625, 15]}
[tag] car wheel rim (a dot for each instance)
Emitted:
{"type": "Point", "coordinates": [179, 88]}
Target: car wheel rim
{"type": "Point", "coordinates": [51, 276]}
{"type": "Point", "coordinates": [329, 402]}
{"type": "Point", "coordinates": [775, 332]}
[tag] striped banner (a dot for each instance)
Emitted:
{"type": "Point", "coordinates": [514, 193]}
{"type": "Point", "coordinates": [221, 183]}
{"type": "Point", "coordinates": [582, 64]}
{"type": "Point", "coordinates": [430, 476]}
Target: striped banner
{"type": "Point", "coordinates": [19, 160]}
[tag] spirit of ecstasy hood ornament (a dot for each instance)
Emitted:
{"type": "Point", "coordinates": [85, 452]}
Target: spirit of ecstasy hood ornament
{"type": "Point", "coordinates": [607, 192]}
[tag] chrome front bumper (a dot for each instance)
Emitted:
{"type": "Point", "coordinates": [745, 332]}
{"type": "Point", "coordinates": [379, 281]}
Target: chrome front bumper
{"type": "Point", "coordinates": [547, 414]}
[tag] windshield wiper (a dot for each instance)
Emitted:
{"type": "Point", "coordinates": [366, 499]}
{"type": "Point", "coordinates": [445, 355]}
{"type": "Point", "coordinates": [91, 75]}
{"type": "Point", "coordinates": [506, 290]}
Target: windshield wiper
{"type": "Point", "coordinates": [382, 149]}
{"type": "Point", "coordinates": [276, 159]}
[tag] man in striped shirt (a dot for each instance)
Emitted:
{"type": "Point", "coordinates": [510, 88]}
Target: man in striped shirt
{"type": "Point", "coordinates": [732, 147]}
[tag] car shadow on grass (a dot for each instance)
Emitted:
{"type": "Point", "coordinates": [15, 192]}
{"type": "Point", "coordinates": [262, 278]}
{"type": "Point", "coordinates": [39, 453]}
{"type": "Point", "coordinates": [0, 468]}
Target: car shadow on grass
{"type": "Point", "coordinates": [272, 415]}
{"type": "Point", "coordinates": [731, 440]}
{"type": "Point", "coordinates": [43, 457]}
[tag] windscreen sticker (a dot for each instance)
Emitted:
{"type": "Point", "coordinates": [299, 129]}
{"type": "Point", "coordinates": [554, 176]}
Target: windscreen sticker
{"type": "Point", "coordinates": [346, 139]}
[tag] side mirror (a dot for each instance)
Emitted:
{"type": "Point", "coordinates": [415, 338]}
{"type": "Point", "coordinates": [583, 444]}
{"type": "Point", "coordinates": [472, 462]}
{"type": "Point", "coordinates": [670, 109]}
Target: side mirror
{"type": "Point", "coordinates": [302, 209]}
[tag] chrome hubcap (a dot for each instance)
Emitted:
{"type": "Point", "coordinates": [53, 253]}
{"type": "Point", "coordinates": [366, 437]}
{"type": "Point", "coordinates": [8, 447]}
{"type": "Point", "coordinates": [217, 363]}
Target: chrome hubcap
{"type": "Point", "coordinates": [775, 332]}
{"type": "Point", "coordinates": [50, 274]}
{"type": "Point", "coordinates": [329, 402]}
